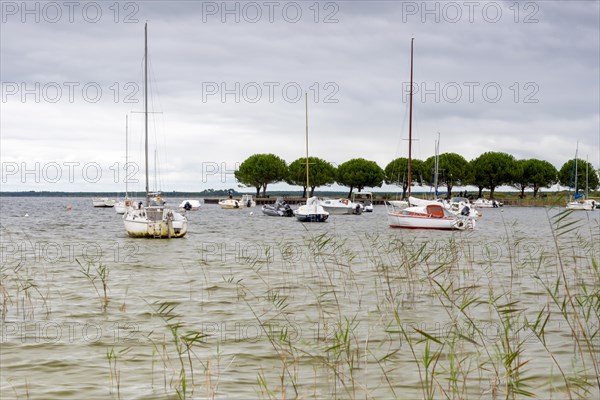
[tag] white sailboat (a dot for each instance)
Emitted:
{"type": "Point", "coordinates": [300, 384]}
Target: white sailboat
{"type": "Point", "coordinates": [312, 211]}
{"type": "Point", "coordinates": [154, 220]}
{"type": "Point", "coordinates": [584, 204]}
{"type": "Point", "coordinates": [122, 206]}
{"type": "Point", "coordinates": [429, 216]}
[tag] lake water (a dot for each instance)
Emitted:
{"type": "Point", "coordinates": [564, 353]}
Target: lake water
{"type": "Point", "coordinates": [249, 306]}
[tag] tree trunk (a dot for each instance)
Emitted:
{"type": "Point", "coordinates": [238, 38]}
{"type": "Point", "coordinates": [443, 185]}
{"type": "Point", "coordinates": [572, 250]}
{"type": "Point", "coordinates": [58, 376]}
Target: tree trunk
{"type": "Point", "coordinates": [350, 192]}
{"type": "Point", "coordinates": [257, 190]}
{"type": "Point", "coordinates": [449, 190]}
{"type": "Point", "coordinates": [480, 191]}
{"type": "Point", "coordinates": [312, 191]}
{"type": "Point", "coordinates": [303, 191]}
{"type": "Point", "coordinates": [265, 190]}
{"type": "Point", "coordinates": [523, 192]}
{"type": "Point", "coordinates": [535, 190]}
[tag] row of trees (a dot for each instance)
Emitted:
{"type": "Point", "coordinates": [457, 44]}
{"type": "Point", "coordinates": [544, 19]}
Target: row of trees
{"type": "Point", "coordinates": [488, 171]}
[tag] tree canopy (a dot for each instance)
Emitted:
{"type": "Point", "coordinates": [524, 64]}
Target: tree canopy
{"type": "Point", "coordinates": [261, 169]}
{"type": "Point", "coordinates": [539, 174]}
{"type": "Point", "coordinates": [320, 172]}
{"type": "Point", "coordinates": [492, 169]}
{"type": "Point", "coordinates": [396, 173]}
{"type": "Point", "coordinates": [489, 170]}
{"type": "Point", "coordinates": [566, 175]}
{"type": "Point", "coordinates": [453, 170]}
{"type": "Point", "coordinates": [359, 173]}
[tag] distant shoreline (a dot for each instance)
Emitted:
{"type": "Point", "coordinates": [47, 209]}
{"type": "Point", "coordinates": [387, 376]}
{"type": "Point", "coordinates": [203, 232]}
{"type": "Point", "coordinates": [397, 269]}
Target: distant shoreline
{"type": "Point", "coordinates": [546, 199]}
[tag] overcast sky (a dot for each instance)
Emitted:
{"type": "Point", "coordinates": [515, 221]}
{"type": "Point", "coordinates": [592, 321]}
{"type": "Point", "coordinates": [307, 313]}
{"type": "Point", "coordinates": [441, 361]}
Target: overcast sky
{"type": "Point", "coordinates": [227, 80]}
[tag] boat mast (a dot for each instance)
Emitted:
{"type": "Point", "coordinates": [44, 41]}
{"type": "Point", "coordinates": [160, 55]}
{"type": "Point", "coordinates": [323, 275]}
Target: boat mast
{"type": "Point", "coordinates": [146, 107]}
{"type": "Point", "coordinates": [410, 118]}
{"type": "Point", "coordinates": [576, 152]}
{"type": "Point", "coordinates": [587, 179]}
{"type": "Point", "coordinates": [306, 113]}
{"type": "Point", "coordinates": [436, 166]}
{"type": "Point", "coordinates": [126, 153]}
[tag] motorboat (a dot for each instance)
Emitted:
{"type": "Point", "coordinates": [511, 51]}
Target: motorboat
{"type": "Point", "coordinates": [364, 199]}
{"type": "Point", "coordinates": [312, 211]}
{"type": "Point", "coordinates": [231, 203]}
{"type": "Point", "coordinates": [190, 205]}
{"type": "Point", "coordinates": [341, 206]}
{"type": "Point", "coordinates": [485, 203]}
{"type": "Point", "coordinates": [462, 206]}
{"type": "Point", "coordinates": [278, 209]}
{"type": "Point", "coordinates": [103, 202]}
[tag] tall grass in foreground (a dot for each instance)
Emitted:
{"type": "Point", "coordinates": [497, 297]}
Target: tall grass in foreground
{"type": "Point", "coordinates": [401, 317]}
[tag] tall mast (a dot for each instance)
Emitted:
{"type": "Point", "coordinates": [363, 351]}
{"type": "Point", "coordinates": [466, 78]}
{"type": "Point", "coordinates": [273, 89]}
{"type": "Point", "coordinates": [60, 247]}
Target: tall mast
{"type": "Point", "coordinates": [410, 118]}
{"type": "Point", "coordinates": [306, 113]}
{"type": "Point", "coordinates": [576, 152]}
{"type": "Point", "coordinates": [126, 153]}
{"type": "Point", "coordinates": [436, 166]}
{"type": "Point", "coordinates": [587, 179]}
{"type": "Point", "coordinates": [146, 106]}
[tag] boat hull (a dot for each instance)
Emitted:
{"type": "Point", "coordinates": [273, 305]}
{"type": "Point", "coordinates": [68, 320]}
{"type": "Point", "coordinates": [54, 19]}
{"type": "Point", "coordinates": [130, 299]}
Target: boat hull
{"type": "Point", "coordinates": [272, 211]}
{"type": "Point", "coordinates": [103, 202]}
{"type": "Point", "coordinates": [340, 207]}
{"type": "Point", "coordinates": [417, 222]}
{"type": "Point", "coordinates": [312, 217]}
{"type": "Point", "coordinates": [231, 204]}
{"type": "Point", "coordinates": [311, 211]}
{"type": "Point", "coordinates": [432, 216]}
{"type": "Point", "coordinates": [156, 223]}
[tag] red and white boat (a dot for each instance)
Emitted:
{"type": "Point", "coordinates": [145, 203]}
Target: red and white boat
{"type": "Point", "coordinates": [428, 214]}
{"type": "Point", "coordinates": [432, 216]}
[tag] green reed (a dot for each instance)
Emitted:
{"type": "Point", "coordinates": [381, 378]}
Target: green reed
{"type": "Point", "coordinates": [93, 273]}
{"type": "Point", "coordinates": [362, 308]}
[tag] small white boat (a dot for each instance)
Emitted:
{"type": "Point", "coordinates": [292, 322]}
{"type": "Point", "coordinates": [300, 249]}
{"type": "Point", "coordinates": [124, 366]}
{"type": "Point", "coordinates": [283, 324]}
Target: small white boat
{"type": "Point", "coordinates": [462, 206]}
{"type": "Point", "coordinates": [432, 216]}
{"type": "Point", "coordinates": [190, 205]}
{"type": "Point", "coordinates": [341, 206]}
{"type": "Point", "coordinates": [122, 206]}
{"type": "Point", "coordinates": [583, 205]}
{"type": "Point", "coordinates": [231, 203]}
{"type": "Point", "coordinates": [278, 209]}
{"type": "Point", "coordinates": [103, 202]}
{"type": "Point", "coordinates": [312, 211]}
{"type": "Point", "coordinates": [485, 203]}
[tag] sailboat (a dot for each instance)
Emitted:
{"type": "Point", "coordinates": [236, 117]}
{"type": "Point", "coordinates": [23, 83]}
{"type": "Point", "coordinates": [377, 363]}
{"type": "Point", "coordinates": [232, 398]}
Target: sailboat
{"type": "Point", "coordinates": [312, 211]}
{"type": "Point", "coordinates": [154, 219]}
{"type": "Point", "coordinates": [429, 216]}
{"type": "Point", "coordinates": [122, 206]}
{"type": "Point", "coordinates": [574, 203]}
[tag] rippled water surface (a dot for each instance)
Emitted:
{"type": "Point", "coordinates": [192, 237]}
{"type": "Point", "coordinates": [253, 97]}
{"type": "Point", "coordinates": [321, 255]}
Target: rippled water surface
{"type": "Point", "coordinates": [249, 306]}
